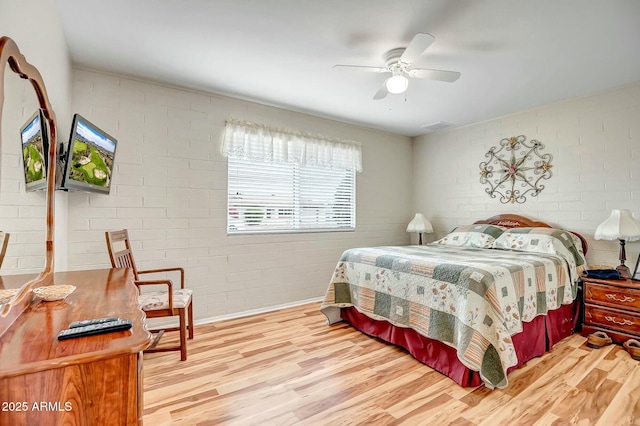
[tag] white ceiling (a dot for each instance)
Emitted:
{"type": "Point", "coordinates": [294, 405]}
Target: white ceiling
{"type": "Point", "coordinates": [513, 54]}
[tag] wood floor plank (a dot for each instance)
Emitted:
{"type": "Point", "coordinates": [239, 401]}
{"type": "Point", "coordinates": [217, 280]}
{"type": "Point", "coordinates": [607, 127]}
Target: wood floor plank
{"type": "Point", "coordinates": [425, 412]}
{"type": "Point", "coordinates": [421, 399]}
{"type": "Point", "coordinates": [623, 366]}
{"type": "Point", "coordinates": [624, 409]}
{"type": "Point", "coordinates": [585, 365]}
{"type": "Point", "coordinates": [290, 368]}
{"type": "Point", "coordinates": [352, 397]}
{"type": "Point", "coordinates": [520, 379]}
{"type": "Point", "coordinates": [486, 402]}
{"type": "Point", "coordinates": [450, 415]}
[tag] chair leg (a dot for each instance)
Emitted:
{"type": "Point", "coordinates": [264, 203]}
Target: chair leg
{"type": "Point", "coordinates": [191, 320]}
{"type": "Point", "coordinates": [183, 336]}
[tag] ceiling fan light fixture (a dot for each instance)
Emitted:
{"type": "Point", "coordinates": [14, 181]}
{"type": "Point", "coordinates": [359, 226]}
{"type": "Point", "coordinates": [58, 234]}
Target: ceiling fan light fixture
{"type": "Point", "coordinates": [397, 83]}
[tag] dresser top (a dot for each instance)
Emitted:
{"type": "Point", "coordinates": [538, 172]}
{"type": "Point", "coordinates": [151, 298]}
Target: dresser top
{"type": "Point", "coordinates": [627, 283]}
{"type": "Point", "coordinates": [30, 344]}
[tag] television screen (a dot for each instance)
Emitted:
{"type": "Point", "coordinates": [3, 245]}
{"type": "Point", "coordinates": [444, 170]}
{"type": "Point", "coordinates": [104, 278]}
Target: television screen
{"type": "Point", "coordinates": [90, 156]}
{"type": "Point", "coordinates": [34, 151]}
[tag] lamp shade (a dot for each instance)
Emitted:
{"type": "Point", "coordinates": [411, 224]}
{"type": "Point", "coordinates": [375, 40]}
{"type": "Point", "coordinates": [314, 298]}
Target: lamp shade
{"type": "Point", "coordinates": [397, 84]}
{"type": "Point", "coordinates": [420, 224]}
{"type": "Point", "coordinates": [621, 225]}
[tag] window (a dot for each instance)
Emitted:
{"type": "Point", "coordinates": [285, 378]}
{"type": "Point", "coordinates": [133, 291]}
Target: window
{"type": "Point", "coordinates": [310, 187]}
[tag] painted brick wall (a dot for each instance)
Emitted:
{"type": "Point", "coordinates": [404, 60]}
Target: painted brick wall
{"type": "Point", "coordinates": [169, 190]}
{"type": "Point", "coordinates": [595, 143]}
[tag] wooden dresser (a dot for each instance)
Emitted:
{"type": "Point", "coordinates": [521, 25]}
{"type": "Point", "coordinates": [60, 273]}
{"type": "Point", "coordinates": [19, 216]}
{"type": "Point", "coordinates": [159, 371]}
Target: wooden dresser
{"type": "Point", "coordinates": [95, 380]}
{"type": "Point", "coordinates": [612, 306]}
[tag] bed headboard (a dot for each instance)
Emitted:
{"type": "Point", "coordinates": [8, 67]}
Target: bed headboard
{"type": "Point", "coordinates": [514, 221]}
{"type": "Point", "coordinates": [517, 221]}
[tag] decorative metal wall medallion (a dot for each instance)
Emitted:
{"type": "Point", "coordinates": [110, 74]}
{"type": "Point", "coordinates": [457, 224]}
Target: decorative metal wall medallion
{"type": "Point", "coordinates": [507, 166]}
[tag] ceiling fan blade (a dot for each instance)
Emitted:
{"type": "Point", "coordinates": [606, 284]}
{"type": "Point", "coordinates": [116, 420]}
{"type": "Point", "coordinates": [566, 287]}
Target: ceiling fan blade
{"type": "Point", "coordinates": [418, 45]}
{"type": "Point", "coordinates": [362, 68]}
{"type": "Point", "coordinates": [382, 92]}
{"type": "Point", "coordinates": [448, 76]}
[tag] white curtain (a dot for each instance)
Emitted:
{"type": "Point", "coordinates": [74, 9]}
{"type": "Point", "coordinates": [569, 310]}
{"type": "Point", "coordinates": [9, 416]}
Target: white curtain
{"type": "Point", "coordinates": [249, 141]}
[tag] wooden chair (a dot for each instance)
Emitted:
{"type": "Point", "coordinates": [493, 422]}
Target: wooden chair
{"type": "Point", "coordinates": [4, 242]}
{"type": "Point", "coordinates": [166, 303]}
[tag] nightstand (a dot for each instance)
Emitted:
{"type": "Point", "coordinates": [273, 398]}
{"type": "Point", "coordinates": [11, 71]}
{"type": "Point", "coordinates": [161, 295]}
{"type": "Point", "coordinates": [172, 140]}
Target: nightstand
{"type": "Point", "coordinates": [612, 306]}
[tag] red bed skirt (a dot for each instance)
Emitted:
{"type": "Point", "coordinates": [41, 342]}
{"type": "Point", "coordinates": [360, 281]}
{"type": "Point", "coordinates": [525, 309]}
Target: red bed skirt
{"type": "Point", "coordinates": [537, 337]}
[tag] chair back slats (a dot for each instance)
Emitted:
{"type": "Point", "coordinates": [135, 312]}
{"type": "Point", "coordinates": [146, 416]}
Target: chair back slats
{"type": "Point", "coordinates": [124, 261]}
{"type": "Point", "coordinates": [4, 241]}
{"type": "Point", "coordinates": [120, 250]}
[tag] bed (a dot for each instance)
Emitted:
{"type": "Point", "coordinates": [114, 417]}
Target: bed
{"type": "Point", "coordinates": [474, 305]}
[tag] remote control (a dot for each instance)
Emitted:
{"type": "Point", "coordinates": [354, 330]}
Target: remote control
{"type": "Point", "coordinates": [84, 323]}
{"type": "Point", "coordinates": [91, 330]}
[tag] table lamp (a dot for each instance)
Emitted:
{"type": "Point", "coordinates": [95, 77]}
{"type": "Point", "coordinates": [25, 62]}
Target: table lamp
{"type": "Point", "coordinates": [419, 224]}
{"type": "Point", "coordinates": [622, 226]}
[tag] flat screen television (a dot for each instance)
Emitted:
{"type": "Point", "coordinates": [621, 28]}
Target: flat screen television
{"type": "Point", "coordinates": [90, 155]}
{"type": "Point", "coordinates": [35, 146]}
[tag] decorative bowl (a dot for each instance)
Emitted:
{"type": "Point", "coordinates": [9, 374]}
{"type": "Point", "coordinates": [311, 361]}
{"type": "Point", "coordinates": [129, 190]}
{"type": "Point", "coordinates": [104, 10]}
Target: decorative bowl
{"type": "Point", "coordinates": [54, 292]}
{"type": "Point", "coordinates": [7, 294]}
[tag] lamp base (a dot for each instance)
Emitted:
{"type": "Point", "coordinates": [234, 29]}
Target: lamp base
{"type": "Point", "coordinates": [624, 271]}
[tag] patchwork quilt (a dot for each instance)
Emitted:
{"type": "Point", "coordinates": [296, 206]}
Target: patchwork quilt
{"type": "Point", "coordinates": [473, 299]}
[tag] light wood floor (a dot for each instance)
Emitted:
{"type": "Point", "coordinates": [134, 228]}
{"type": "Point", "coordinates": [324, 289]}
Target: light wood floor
{"type": "Point", "coordinates": [289, 368]}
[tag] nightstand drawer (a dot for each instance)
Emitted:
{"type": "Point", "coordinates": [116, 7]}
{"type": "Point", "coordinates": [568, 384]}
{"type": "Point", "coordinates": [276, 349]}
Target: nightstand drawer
{"type": "Point", "coordinates": [615, 297]}
{"type": "Point", "coordinates": [628, 322]}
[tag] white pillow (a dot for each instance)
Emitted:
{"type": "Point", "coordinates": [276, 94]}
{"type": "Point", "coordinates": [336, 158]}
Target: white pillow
{"type": "Point", "coordinates": [481, 236]}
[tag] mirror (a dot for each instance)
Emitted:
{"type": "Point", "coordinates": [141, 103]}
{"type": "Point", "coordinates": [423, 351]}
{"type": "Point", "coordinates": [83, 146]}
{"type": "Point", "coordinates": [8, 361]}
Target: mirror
{"type": "Point", "coordinates": [13, 64]}
{"type": "Point", "coordinates": [22, 214]}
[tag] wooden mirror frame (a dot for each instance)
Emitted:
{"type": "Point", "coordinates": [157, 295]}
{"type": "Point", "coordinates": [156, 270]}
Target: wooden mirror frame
{"type": "Point", "coordinates": [9, 53]}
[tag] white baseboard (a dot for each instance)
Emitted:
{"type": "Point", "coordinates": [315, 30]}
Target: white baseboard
{"type": "Point", "coordinates": [248, 313]}
{"type": "Point", "coordinates": [159, 323]}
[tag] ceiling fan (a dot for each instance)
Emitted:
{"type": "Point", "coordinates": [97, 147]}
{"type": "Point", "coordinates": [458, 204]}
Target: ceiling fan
{"type": "Point", "coordinates": [399, 63]}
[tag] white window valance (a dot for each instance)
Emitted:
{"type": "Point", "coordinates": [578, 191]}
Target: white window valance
{"type": "Point", "coordinates": [255, 142]}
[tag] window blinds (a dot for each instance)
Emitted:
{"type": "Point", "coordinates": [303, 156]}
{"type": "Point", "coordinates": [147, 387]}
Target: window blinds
{"type": "Point", "coordinates": [279, 181]}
